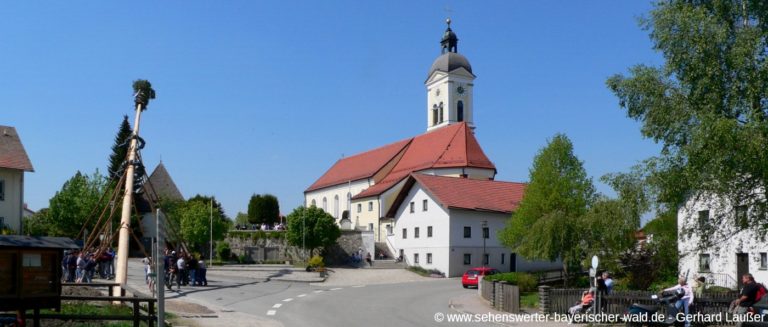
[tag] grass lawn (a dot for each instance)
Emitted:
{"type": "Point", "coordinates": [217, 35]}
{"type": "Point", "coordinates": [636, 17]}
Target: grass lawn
{"type": "Point", "coordinates": [529, 300]}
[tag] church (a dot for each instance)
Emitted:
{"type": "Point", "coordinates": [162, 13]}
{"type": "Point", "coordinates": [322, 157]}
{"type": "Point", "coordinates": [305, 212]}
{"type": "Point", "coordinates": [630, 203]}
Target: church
{"type": "Point", "coordinates": [443, 171]}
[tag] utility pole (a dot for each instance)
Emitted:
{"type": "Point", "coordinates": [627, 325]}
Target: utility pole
{"type": "Point", "coordinates": [210, 243]}
{"type": "Point", "coordinates": [485, 228]}
{"type": "Point", "coordinates": [160, 271]}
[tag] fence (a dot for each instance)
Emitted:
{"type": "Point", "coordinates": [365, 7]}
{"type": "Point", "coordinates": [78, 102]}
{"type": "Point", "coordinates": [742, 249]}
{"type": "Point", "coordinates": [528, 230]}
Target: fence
{"type": "Point", "coordinates": [502, 295]}
{"type": "Point", "coordinates": [554, 300]}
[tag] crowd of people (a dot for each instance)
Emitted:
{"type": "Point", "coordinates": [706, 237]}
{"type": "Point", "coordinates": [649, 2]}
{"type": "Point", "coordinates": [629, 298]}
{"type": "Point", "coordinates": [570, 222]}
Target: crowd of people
{"type": "Point", "coordinates": [82, 266]}
{"type": "Point", "coordinates": [180, 268]}
{"type": "Point", "coordinates": [263, 227]}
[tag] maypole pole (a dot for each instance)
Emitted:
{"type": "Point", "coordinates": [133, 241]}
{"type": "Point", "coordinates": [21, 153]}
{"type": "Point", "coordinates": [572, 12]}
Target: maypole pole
{"type": "Point", "coordinates": [143, 92]}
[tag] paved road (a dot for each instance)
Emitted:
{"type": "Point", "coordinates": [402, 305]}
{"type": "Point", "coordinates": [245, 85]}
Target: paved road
{"type": "Point", "coordinates": [304, 304]}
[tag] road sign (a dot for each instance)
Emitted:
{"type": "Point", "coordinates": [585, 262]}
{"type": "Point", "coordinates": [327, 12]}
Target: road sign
{"type": "Point", "coordinates": [592, 272]}
{"type": "Point", "coordinates": [594, 262]}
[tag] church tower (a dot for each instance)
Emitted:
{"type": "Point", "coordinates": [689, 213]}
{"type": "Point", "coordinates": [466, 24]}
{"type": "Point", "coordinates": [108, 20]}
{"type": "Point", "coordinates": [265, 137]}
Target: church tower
{"type": "Point", "coordinates": [449, 86]}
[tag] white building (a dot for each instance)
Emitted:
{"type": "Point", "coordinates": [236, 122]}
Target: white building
{"type": "Point", "coordinates": [736, 249]}
{"type": "Point", "coordinates": [448, 223]}
{"type": "Point", "coordinates": [13, 163]}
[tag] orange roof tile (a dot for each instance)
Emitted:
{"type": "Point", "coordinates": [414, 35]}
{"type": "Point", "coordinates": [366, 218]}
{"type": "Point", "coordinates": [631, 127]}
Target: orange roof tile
{"type": "Point", "coordinates": [359, 166]}
{"type": "Point", "coordinates": [12, 153]}
{"type": "Point", "coordinates": [450, 146]}
{"type": "Point", "coordinates": [465, 193]}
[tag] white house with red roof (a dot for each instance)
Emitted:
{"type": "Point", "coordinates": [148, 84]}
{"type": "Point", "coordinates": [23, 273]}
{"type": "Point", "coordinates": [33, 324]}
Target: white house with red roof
{"type": "Point", "coordinates": [441, 222]}
{"type": "Point", "coordinates": [13, 163]}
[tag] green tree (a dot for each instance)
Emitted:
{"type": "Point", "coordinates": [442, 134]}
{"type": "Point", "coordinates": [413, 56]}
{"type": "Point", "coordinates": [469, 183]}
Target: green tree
{"type": "Point", "coordinates": [195, 222]}
{"type": "Point", "coordinates": [241, 219]}
{"type": "Point", "coordinates": [37, 224]}
{"type": "Point", "coordinates": [75, 204]}
{"type": "Point", "coordinates": [312, 227]}
{"type": "Point", "coordinates": [143, 92]}
{"type": "Point", "coordinates": [263, 209]}
{"type": "Point", "coordinates": [707, 104]}
{"type": "Point", "coordinates": [119, 149]}
{"type": "Point", "coordinates": [546, 224]}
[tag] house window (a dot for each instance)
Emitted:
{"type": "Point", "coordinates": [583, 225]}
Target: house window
{"type": "Point", "coordinates": [370, 226]}
{"type": "Point", "coordinates": [415, 258]}
{"type": "Point", "coordinates": [703, 217]}
{"type": "Point", "coordinates": [460, 111]}
{"type": "Point", "coordinates": [486, 232]}
{"type": "Point", "coordinates": [370, 205]}
{"type": "Point", "coordinates": [415, 232]}
{"type": "Point", "coordinates": [429, 231]}
{"type": "Point", "coordinates": [741, 217]}
{"type": "Point", "coordinates": [314, 204]}
{"type": "Point", "coordinates": [405, 233]}
{"type": "Point", "coordinates": [412, 207]}
{"type": "Point", "coordinates": [502, 257]}
{"type": "Point", "coordinates": [336, 206]}
{"type": "Point", "coordinates": [486, 259]}
{"type": "Point", "coordinates": [359, 207]}
{"type": "Point", "coordinates": [763, 260]}
{"type": "Point", "coordinates": [2, 190]}
{"type": "Point", "coordinates": [434, 115]}
{"type": "Point", "coordinates": [704, 262]}
{"type": "Point", "coordinates": [440, 114]}
{"type": "Point", "coordinates": [325, 204]}
{"type": "Point", "coordinates": [424, 205]}
{"type": "Point", "coordinates": [467, 259]}
{"type": "Point", "coordinates": [349, 202]}
{"type": "Point", "coordinates": [429, 258]}
{"type": "Point", "coordinates": [467, 232]}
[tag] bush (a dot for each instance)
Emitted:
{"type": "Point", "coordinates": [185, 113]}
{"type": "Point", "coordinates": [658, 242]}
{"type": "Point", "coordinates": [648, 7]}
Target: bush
{"type": "Point", "coordinates": [419, 270]}
{"type": "Point", "coordinates": [526, 282]}
{"type": "Point", "coordinates": [316, 262]}
{"type": "Point", "coordinates": [223, 250]}
{"type": "Point", "coordinates": [244, 259]}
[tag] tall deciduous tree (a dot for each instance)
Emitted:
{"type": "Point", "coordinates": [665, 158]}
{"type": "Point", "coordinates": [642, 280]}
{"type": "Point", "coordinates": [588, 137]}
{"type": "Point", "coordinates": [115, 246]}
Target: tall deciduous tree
{"type": "Point", "coordinates": [546, 224]}
{"type": "Point", "coordinates": [195, 221]}
{"type": "Point", "coordinates": [707, 104]}
{"type": "Point", "coordinates": [312, 227]}
{"type": "Point", "coordinates": [74, 204]}
{"type": "Point", "coordinates": [263, 209]}
{"type": "Point", "coordinates": [119, 149]}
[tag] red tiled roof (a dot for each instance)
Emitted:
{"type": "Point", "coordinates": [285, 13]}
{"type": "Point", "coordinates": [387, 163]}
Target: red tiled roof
{"type": "Point", "coordinates": [450, 146]}
{"type": "Point", "coordinates": [466, 193]}
{"type": "Point", "coordinates": [12, 153]}
{"type": "Point", "coordinates": [359, 166]}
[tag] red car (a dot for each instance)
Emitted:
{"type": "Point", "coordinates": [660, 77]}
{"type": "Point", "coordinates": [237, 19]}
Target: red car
{"type": "Point", "coordinates": [472, 275]}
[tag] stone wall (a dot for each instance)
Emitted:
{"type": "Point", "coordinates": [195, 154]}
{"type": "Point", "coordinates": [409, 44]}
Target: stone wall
{"type": "Point", "coordinates": [278, 249]}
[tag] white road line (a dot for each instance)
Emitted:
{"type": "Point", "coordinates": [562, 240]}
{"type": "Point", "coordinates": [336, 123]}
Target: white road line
{"type": "Point", "coordinates": [358, 286]}
{"type": "Point", "coordinates": [271, 312]}
{"type": "Point", "coordinates": [319, 291]}
{"type": "Point", "coordinates": [277, 305]}
{"type": "Point", "coordinates": [302, 295]}
{"type": "Point", "coordinates": [288, 300]}
{"type": "Point", "coordinates": [336, 289]}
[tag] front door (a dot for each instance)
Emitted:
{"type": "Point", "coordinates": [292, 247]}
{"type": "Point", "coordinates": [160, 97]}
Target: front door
{"type": "Point", "coordinates": [742, 266]}
{"type": "Point", "coordinates": [513, 262]}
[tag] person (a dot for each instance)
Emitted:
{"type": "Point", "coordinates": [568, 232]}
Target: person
{"type": "Point", "coordinates": [146, 261]}
{"type": "Point", "coordinates": [746, 296]}
{"type": "Point", "coordinates": [698, 287]}
{"type": "Point", "coordinates": [200, 276]}
{"type": "Point", "coordinates": [181, 266]}
{"type": "Point", "coordinates": [80, 267]}
{"type": "Point", "coordinates": [64, 269]}
{"type": "Point", "coordinates": [586, 300]}
{"type": "Point", "coordinates": [72, 266]}
{"type": "Point", "coordinates": [684, 302]}
{"type": "Point", "coordinates": [368, 259]}
{"type": "Point", "coordinates": [608, 281]}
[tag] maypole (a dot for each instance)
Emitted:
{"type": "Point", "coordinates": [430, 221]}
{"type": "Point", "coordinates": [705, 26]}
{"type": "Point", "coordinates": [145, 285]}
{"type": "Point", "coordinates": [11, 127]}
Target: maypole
{"type": "Point", "coordinates": [143, 92]}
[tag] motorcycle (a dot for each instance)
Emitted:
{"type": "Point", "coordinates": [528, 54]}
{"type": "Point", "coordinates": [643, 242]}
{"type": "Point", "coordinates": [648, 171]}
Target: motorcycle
{"type": "Point", "coordinates": [652, 315]}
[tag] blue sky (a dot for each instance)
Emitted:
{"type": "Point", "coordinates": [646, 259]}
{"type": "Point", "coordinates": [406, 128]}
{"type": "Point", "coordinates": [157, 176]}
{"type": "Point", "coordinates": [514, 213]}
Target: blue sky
{"type": "Point", "coordinates": [263, 97]}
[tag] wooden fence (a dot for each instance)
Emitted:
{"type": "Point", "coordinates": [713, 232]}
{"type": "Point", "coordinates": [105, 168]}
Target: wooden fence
{"type": "Point", "coordinates": [502, 295]}
{"type": "Point", "coordinates": [553, 300]}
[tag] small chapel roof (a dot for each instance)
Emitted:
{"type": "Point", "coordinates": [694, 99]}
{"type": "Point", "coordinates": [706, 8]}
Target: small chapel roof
{"type": "Point", "coordinates": [465, 193]}
{"type": "Point", "coordinates": [12, 153]}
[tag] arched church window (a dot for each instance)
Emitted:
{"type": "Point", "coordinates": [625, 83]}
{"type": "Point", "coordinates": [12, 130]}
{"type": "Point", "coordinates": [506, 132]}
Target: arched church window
{"type": "Point", "coordinates": [349, 201]}
{"type": "Point", "coordinates": [325, 204]}
{"type": "Point", "coordinates": [441, 112]}
{"type": "Point", "coordinates": [460, 111]}
{"type": "Point", "coordinates": [434, 114]}
{"type": "Point", "coordinates": [314, 204]}
{"type": "Point", "coordinates": [335, 206]}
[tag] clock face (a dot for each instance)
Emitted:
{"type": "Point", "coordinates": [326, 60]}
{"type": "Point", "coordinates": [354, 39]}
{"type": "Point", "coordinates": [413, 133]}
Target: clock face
{"type": "Point", "coordinates": [460, 90]}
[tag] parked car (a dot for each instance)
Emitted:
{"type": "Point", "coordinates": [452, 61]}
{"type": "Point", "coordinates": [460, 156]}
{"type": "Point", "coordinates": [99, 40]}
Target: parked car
{"type": "Point", "coordinates": [472, 275]}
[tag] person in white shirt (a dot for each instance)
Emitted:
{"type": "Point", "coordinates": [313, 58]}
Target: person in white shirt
{"type": "Point", "coordinates": [684, 302]}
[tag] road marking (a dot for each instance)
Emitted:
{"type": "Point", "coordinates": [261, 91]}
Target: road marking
{"type": "Point", "coordinates": [271, 312]}
{"type": "Point", "coordinates": [319, 291]}
{"type": "Point", "coordinates": [277, 305]}
{"type": "Point", "coordinates": [336, 289]}
{"type": "Point", "coordinates": [288, 300]}
{"type": "Point", "coordinates": [358, 286]}
{"type": "Point", "coordinates": [302, 295]}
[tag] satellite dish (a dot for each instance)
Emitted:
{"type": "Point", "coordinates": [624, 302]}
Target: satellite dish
{"type": "Point", "coordinates": [595, 261]}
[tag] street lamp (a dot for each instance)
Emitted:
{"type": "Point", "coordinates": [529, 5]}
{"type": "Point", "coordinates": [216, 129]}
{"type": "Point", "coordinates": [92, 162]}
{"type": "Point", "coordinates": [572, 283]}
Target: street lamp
{"type": "Point", "coordinates": [485, 235]}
